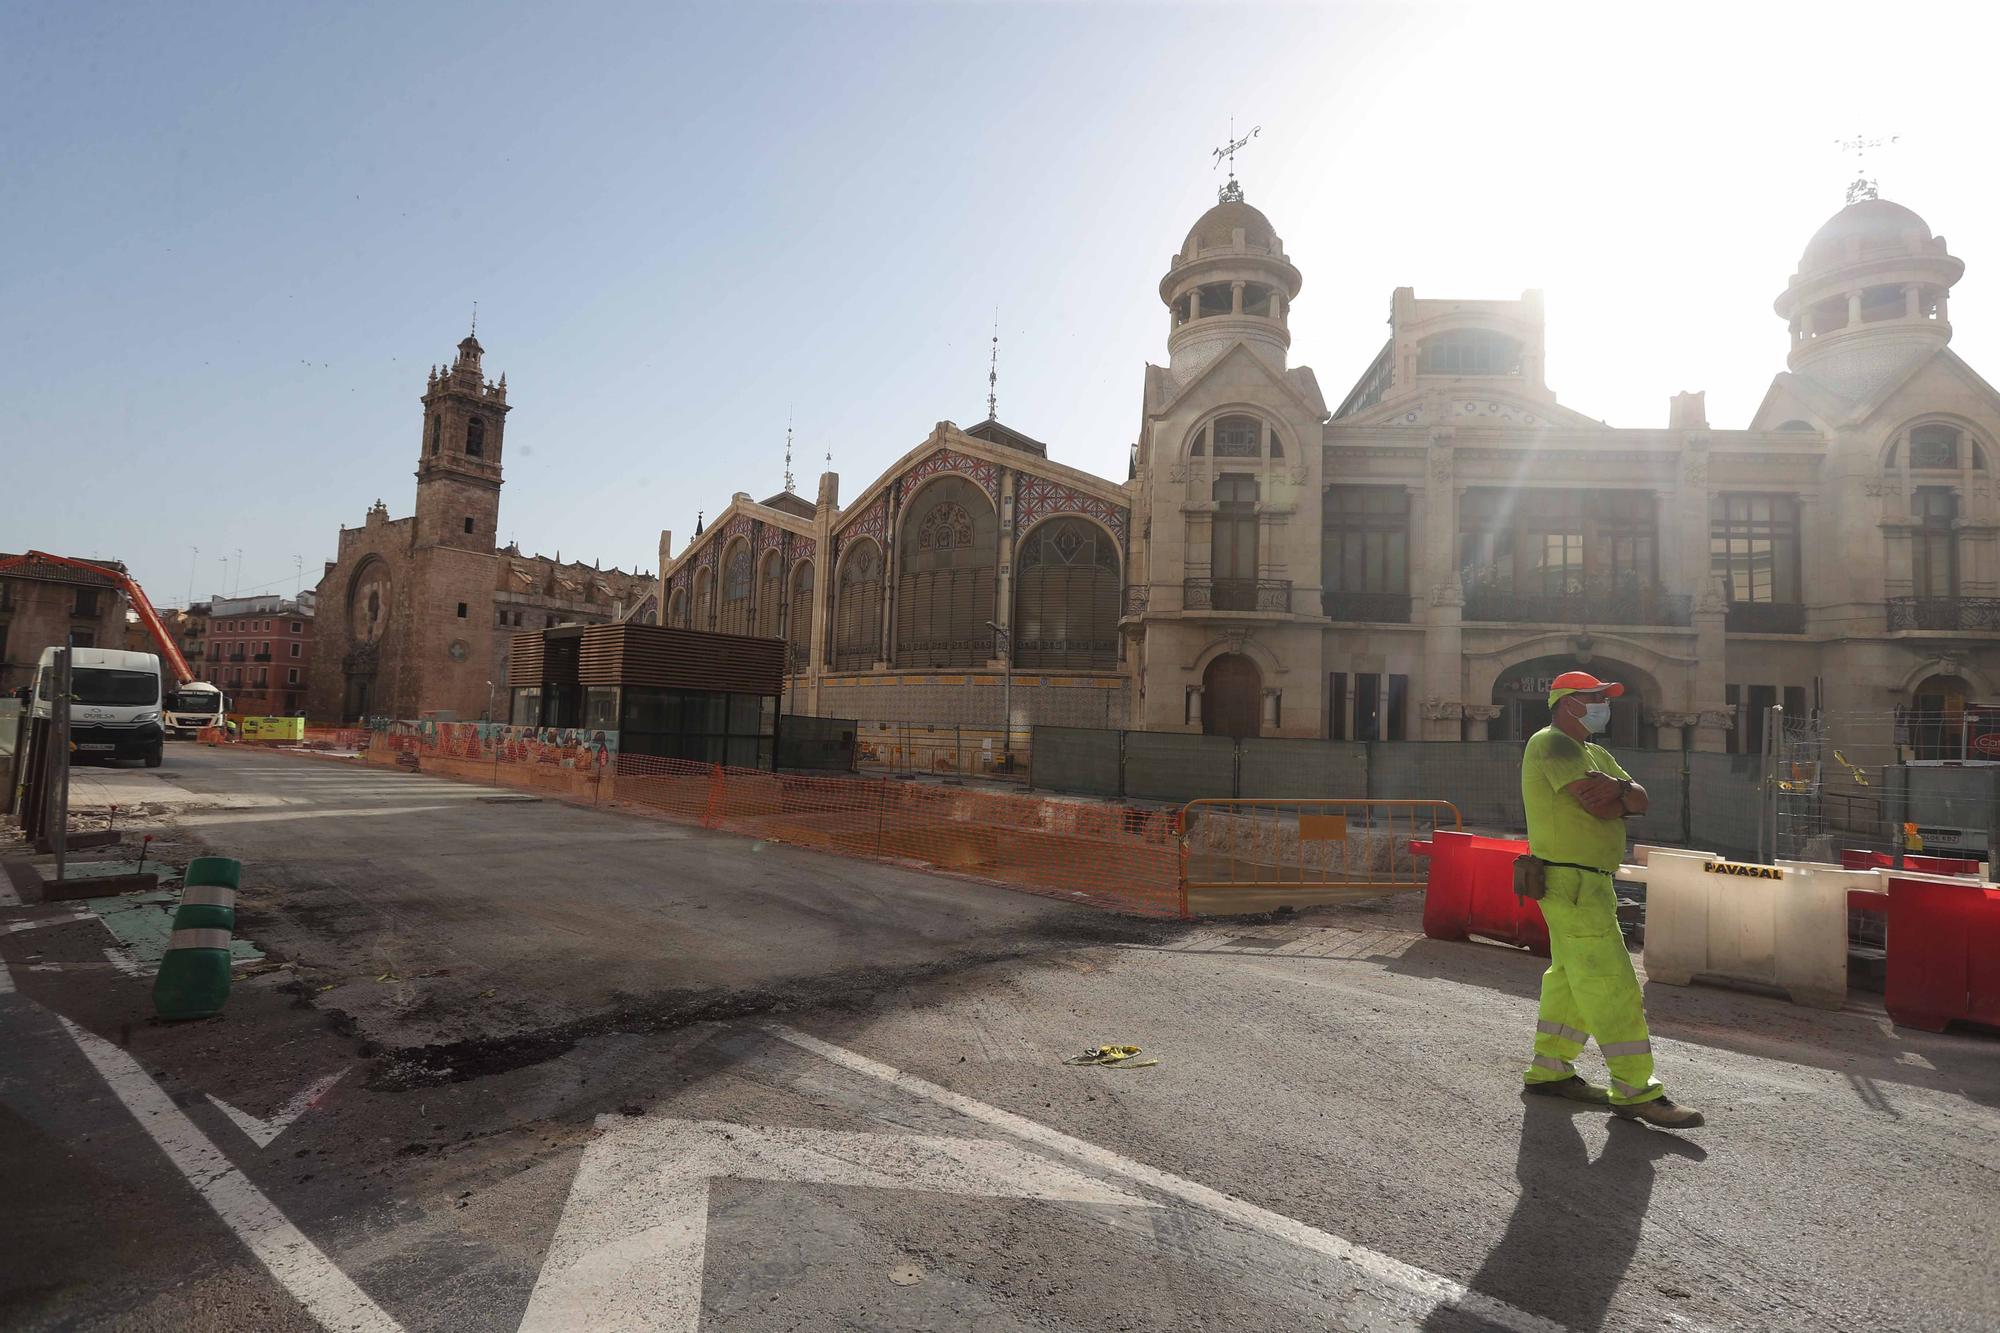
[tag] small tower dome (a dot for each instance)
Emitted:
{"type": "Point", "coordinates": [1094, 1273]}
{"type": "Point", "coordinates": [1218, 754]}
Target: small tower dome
{"type": "Point", "coordinates": [1230, 282]}
{"type": "Point", "coordinates": [1869, 298]}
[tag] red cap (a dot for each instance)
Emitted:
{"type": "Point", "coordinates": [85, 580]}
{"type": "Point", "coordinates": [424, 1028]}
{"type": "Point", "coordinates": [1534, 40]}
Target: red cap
{"type": "Point", "coordinates": [1582, 682]}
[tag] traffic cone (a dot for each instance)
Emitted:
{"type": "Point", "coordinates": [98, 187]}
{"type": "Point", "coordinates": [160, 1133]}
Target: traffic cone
{"type": "Point", "coordinates": [194, 974]}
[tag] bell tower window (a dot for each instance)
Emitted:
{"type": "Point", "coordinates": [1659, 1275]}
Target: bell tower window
{"type": "Point", "coordinates": [437, 433]}
{"type": "Point", "coordinates": [475, 437]}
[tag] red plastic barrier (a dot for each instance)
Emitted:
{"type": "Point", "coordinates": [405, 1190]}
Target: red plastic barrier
{"type": "Point", "coordinates": [1471, 892]}
{"type": "Point", "coordinates": [1944, 954]}
{"type": "Point", "coordinates": [1860, 859]}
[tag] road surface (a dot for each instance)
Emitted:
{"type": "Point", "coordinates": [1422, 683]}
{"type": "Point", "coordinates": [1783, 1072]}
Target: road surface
{"type": "Point", "coordinates": [724, 1085]}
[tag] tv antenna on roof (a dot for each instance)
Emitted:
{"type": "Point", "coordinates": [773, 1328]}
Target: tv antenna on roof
{"type": "Point", "coordinates": [1232, 192]}
{"type": "Point", "coordinates": [1863, 185]}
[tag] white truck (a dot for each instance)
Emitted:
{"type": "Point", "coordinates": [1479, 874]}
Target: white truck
{"type": "Point", "coordinates": [114, 702]}
{"type": "Point", "coordinates": [195, 705]}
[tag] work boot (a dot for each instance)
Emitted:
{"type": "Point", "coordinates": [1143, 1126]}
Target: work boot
{"type": "Point", "coordinates": [1574, 1088]}
{"type": "Point", "coordinates": [1661, 1111]}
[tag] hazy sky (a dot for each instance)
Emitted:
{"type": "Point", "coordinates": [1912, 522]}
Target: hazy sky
{"type": "Point", "coordinates": [240, 235]}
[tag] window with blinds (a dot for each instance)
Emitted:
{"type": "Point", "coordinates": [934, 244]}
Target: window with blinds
{"type": "Point", "coordinates": [770, 599]}
{"type": "Point", "coordinates": [800, 627]}
{"type": "Point", "coordinates": [736, 588]}
{"type": "Point", "coordinates": [1066, 598]}
{"type": "Point", "coordinates": [857, 636]}
{"type": "Point", "coordinates": [949, 544]}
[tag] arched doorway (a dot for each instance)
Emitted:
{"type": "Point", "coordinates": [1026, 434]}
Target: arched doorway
{"type": "Point", "coordinates": [1937, 718]}
{"type": "Point", "coordinates": [1522, 691]}
{"type": "Point", "coordinates": [1232, 697]}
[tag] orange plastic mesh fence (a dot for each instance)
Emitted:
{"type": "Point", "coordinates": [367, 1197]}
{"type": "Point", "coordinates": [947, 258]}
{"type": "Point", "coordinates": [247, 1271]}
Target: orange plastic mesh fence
{"type": "Point", "coordinates": [1112, 856]}
{"type": "Point", "coordinates": [1329, 844]}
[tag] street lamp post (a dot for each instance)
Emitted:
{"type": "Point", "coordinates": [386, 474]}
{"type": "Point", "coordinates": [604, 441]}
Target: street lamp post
{"type": "Point", "coordinates": [1006, 638]}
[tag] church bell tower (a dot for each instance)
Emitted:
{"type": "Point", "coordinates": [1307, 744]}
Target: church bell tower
{"type": "Point", "coordinates": [458, 470]}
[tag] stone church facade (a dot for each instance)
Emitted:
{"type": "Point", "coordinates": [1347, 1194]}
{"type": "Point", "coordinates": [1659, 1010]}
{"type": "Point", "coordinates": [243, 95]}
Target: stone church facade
{"type": "Point", "coordinates": [415, 614]}
{"type": "Point", "coordinates": [1415, 561]}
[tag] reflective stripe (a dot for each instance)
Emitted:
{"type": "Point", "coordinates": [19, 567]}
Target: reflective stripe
{"type": "Point", "coordinates": [1612, 1050]}
{"type": "Point", "coordinates": [208, 895]}
{"type": "Point", "coordinates": [1551, 1063]}
{"type": "Point", "coordinates": [1626, 1089]}
{"type": "Point", "coordinates": [1566, 1033]}
{"type": "Point", "coordinates": [198, 939]}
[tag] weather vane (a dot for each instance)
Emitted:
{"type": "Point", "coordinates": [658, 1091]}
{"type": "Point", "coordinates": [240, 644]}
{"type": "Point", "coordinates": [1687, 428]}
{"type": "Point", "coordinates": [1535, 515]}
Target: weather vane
{"type": "Point", "coordinates": [1232, 192]}
{"type": "Point", "coordinates": [993, 370]}
{"type": "Point", "coordinates": [790, 486]}
{"type": "Point", "coordinates": [1863, 185]}
{"type": "Point", "coordinates": [475, 319]}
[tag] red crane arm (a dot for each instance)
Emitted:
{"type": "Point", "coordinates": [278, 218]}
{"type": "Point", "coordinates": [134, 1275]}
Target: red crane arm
{"type": "Point", "coordinates": [169, 650]}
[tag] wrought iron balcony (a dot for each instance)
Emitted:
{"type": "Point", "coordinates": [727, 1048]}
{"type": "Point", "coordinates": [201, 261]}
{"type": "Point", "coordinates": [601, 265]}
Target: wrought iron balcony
{"type": "Point", "coordinates": [1766, 618]}
{"type": "Point", "coordinates": [1391, 608]}
{"type": "Point", "coordinates": [1584, 602]}
{"type": "Point", "coordinates": [1951, 613]}
{"type": "Point", "coordinates": [238, 657]}
{"type": "Point", "coordinates": [260, 657]}
{"type": "Point", "coordinates": [1238, 595]}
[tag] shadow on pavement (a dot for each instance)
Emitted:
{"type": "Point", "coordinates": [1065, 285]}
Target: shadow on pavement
{"type": "Point", "coordinates": [1858, 1046]}
{"type": "Point", "coordinates": [1576, 1226]}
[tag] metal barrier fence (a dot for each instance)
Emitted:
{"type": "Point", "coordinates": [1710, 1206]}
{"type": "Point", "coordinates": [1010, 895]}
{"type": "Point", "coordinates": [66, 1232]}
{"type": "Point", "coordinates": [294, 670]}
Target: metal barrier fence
{"type": "Point", "coordinates": [942, 749]}
{"type": "Point", "coordinates": [1113, 856]}
{"type": "Point", "coordinates": [1304, 851]}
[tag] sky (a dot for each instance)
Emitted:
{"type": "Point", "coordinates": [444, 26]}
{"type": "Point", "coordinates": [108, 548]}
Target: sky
{"type": "Point", "coordinates": [240, 235]}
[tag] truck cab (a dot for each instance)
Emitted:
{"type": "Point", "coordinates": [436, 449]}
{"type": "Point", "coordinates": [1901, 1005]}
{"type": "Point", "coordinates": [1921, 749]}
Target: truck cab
{"type": "Point", "coordinates": [114, 709]}
{"type": "Point", "coordinates": [193, 706]}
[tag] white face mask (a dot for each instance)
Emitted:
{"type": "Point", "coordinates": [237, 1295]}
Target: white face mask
{"type": "Point", "coordinates": [1597, 716]}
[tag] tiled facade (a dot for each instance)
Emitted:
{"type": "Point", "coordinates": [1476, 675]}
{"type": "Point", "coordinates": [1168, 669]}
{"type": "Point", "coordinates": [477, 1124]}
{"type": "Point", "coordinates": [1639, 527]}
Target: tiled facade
{"type": "Point", "coordinates": [1414, 561]}
{"type": "Point", "coordinates": [415, 614]}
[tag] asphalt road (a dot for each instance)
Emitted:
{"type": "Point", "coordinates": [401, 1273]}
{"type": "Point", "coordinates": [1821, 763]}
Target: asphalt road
{"type": "Point", "coordinates": [840, 1105]}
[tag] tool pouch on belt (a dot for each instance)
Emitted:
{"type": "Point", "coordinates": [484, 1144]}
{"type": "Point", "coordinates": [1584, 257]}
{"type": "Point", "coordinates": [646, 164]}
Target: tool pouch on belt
{"type": "Point", "coordinates": [1531, 877]}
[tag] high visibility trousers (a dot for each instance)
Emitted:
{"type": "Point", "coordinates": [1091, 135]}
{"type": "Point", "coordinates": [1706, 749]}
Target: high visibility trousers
{"type": "Point", "coordinates": [1590, 989]}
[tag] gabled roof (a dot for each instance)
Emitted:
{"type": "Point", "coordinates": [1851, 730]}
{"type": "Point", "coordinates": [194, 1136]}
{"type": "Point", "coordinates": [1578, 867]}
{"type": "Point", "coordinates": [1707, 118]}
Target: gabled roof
{"type": "Point", "coordinates": [789, 502]}
{"type": "Point", "coordinates": [1006, 437]}
{"type": "Point", "coordinates": [1297, 383]}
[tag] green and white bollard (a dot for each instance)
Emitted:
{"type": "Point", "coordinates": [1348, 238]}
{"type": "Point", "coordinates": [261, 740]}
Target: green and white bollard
{"type": "Point", "coordinates": [194, 975]}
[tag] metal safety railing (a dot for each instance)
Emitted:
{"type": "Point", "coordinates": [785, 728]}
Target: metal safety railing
{"type": "Point", "coordinates": [1318, 844]}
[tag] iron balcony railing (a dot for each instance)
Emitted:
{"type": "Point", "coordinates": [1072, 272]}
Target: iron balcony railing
{"type": "Point", "coordinates": [1238, 595]}
{"type": "Point", "coordinates": [1766, 618]}
{"type": "Point", "coordinates": [1583, 602]}
{"type": "Point", "coordinates": [1391, 608]}
{"type": "Point", "coordinates": [1951, 613]}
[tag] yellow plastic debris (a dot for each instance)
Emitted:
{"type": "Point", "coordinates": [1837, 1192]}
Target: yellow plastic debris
{"type": "Point", "coordinates": [1111, 1057]}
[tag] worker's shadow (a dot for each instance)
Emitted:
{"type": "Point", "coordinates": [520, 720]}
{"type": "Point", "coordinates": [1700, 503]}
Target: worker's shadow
{"type": "Point", "coordinates": [1575, 1228]}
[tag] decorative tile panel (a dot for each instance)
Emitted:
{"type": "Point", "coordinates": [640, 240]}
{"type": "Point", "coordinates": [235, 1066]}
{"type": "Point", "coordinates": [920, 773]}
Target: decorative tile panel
{"type": "Point", "coordinates": [1036, 498]}
{"type": "Point", "coordinates": [948, 460]}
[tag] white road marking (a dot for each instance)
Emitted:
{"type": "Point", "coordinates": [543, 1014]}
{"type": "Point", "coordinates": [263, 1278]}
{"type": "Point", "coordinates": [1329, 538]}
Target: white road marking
{"type": "Point", "coordinates": [277, 815]}
{"type": "Point", "coordinates": [1429, 1289]}
{"type": "Point", "coordinates": [261, 1132]}
{"type": "Point", "coordinates": [124, 962]}
{"type": "Point", "coordinates": [39, 922]}
{"type": "Point", "coordinates": [629, 1249]}
{"type": "Point", "coordinates": [328, 1294]}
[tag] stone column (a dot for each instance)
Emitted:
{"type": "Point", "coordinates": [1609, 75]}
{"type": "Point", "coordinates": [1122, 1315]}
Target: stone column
{"type": "Point", "coordinates": [1236, 298]}
{"type": "Point", "coordinates": [1711, 673]}
{"type": "Point", "coordinates": [1442, 719]}
{"type": "Point", "coordinates": [1194, 305]}
{"type": "Point", "coordinates": [1943, 296]}
{"type": "Point", "coordinates": [1003, 580]}
{"type": "Point", "coordinates": [1913, 296]}
{"type": "Point", "coordinates": [1483, 716]}
{"type": "Point", "coordinates": [1853, 309]}
{"type": "Point", "coordinates": [1444, 664]}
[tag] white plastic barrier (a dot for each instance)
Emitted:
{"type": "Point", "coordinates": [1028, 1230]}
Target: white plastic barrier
{"type": "Point", "coordinates": [1783, 926]}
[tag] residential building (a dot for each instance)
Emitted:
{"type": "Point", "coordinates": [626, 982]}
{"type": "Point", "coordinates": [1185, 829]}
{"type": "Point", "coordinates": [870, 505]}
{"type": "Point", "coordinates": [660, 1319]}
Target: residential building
{"type": "Point", "coordinates": [45, 605]}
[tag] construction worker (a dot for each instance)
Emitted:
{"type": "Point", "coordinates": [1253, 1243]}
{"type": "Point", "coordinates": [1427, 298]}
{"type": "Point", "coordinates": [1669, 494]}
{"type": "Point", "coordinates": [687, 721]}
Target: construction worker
{"type": "Point", "coordinates": [1577, 798]}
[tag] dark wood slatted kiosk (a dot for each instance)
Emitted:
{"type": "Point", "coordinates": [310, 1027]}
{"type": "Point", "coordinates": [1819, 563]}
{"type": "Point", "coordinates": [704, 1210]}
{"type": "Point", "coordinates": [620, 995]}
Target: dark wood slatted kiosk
{"type": "Point", "coordinates": [672, 693]}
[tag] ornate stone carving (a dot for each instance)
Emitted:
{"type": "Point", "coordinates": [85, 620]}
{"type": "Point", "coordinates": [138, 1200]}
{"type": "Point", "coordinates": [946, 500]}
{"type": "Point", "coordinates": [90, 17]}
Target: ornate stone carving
{"type": "Point", "coordinates": [1446, 594]}
{"type": "Point", "coordinates": [1442, 710]}
{"type": "Point", "coordinates": [1720, 721]}
{"type": "Point", "coordinates": [1666, 718]}
{"type": "Point", "coordinates": [1881, 486]}
{"type": "Point", "coordinates": [1177, 473]}
{"type": "Point", "coordinates": [1694, 469]}
{"type": "Point", "coordinates": [1483, 712]}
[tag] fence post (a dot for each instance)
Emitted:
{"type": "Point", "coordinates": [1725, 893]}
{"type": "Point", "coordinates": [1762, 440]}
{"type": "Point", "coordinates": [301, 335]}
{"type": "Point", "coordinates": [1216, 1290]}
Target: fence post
{"type": "Point", "coordinates": [1235, 768]}
{"type": "Point", "coordinates": [1121, 763]}
{"type": "Point", "coordinates": [881, 811]}
{"type": "Point", "coordinates": [711, 816]}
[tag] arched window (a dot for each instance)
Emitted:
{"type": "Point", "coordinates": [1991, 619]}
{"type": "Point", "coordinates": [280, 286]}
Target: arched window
{"type": "Point", "coordinates": [1469, 352]}
{"type": "Point", "coordinates": [770, 601]}
{"type": "Point", "coordinates": [949, 545]}
{"type": "Point", "coordinates": [475, 437]}
{"type": "Point", "coordinates": [1238, 437]}
{"type": "Point", "coordinates": [1066, 598]}
{"type": "Point", "coordinates": [1934, 446]}
{"type": "Point", "coordinates": [736, 588]}
{"type": "Point", "coordinates": [857, 637]}
{"type": "Point", "coordinates": [677, 608]}
{"type": "Point", "coordinates": [437, 432]}
{"type": "Point", "coordinates": [704, 599]}
{"type": "Point", "coordinates": [798, 630]}
{"type": "Point", "coordinates": [1796, 424]}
